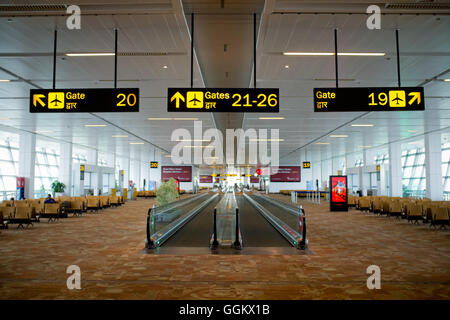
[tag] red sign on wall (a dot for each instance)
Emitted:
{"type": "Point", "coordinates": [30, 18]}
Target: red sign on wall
{"type": "Point", "coordinates": [285, 174]}
{"type": "Point", "coordinates": [206, 179]}
{"type": "Point", "coordinates": [180, 173]}
{"type": "Point", "coordinates": [254, 179]}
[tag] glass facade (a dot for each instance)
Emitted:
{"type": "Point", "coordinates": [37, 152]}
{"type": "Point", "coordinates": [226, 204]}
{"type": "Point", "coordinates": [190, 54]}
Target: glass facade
{"type": "Point", "coordinates": [9, 164]}
{"type": "Point", "coordinates": [46, 168]}
{"type": "Point", "coordinates": [413, 165]}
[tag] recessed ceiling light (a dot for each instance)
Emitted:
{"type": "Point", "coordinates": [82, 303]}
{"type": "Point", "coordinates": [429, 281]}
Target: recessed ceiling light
{"type": "Point", "coordinates": [4, 119]}
{"type": "Point", "coordinates": [338, 136]}
{"type": "Point", "coordinates": [322, 143]}
{"type": "Point", "coordinates": [365, 146]}
{"type": "Point", "coordinates": [136, 143]}
{"type": "Point", "coordinates": [412, 131]}
{"type": "Point", "coordinates": [193, 119]}
{"type": "Point", "coordinates": [271, 118]}
{"type": "Point", "coordinates": [168, 156]}
{"type": "Point", "coordinates": [43, 131]}
{"type": "Point", "coordinates": [119, 136]}
{"type": "Point", "coordinates": [5, 80]}
{"type": "Point", "coordinates": [89, 54]}
{"type": "Point", "coordinates": [286, 67]}
{"type": "Point", "coordinates": [446, 80]}
{"type": "Point", "coordinates": [365, 54]}
{"type": "Point", "coordinates": [165, 67]}
{"type": "Point", "coordinates": [362, 125]}
{"type": "Point", "coordinates": [95, 125]}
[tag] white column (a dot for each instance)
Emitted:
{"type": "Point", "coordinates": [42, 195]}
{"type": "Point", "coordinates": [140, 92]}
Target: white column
{"type": "Point", "coordinates": [433, 166]}
{"type": "Point", "coordinates": [65, 166]}
{"type": "Point", "coordinates": [395, 169]}
{"type": "Point", "coordinates": [27, 159]}
{"type": "Point", "coordinates": [92, 157]}
{"type": "Point", "coordinates": [316, 169]}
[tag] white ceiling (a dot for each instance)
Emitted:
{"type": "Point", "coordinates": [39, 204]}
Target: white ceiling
{"type": "Point", "coordinates": [160, 27]}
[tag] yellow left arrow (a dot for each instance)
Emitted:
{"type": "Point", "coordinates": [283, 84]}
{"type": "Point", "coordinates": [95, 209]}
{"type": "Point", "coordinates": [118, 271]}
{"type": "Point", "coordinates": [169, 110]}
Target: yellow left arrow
{"type": "Point", "coordinates": [177, 97]}
{"type": "Point", "coordinates": [37, 98]}
{"type": "Point", "coordinates": [415, 96]}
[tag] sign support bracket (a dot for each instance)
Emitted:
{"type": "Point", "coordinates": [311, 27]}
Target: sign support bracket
{"type": "Point", "coordinates": [192, 50]}
{"type": "Point", "coordinates": [398, 58]}
{"type": "Point", "coordinates": [115, 58]}
{"type": "Point", "coordinates": [54, 58]}
{"type": "Point", "coordinates": [254, 50]}
{"type": "Point", "coordinates": [336, 57]}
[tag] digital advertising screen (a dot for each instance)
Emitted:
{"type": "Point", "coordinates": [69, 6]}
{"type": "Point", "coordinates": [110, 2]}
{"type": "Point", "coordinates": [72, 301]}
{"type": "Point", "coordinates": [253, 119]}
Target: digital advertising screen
{"type": "Point", "coordinates": [338, 193]}
{"type": "Point", "coordinates": [254, 179]}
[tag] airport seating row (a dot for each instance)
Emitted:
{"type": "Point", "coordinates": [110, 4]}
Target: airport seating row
{"type": "Point", "coordinates": [25, 212]}
{"type": "Point", "coordinates": [414, 210]}
{"type": "Point", "coordinates": [146, 194]}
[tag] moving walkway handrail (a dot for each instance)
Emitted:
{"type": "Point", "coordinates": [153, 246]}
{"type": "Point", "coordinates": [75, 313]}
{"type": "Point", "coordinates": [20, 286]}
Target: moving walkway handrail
{"type": "Point", "coordinates": [296, 238]}
{"type": "Point", "coordinates": [177, 204]}
{"type": "Point", "coordinates": [279, 203]}
{"type": "Point", "coordinates": [158, 238]}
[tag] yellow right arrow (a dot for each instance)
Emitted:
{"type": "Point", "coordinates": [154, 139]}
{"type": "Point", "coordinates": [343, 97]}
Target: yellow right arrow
{"type": "Point", "coordinates": [415, 96]}
{"type": "Point", "coordinates": [177, 97]}
{"type": "Point", "coordinates": [37, 98]}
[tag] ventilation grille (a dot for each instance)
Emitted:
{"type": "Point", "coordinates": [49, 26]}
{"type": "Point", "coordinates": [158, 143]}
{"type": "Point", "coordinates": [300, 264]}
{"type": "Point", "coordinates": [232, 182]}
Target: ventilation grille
{"type": "Point", "coordinates": [419, 6]}
{"type": "Point", "coordinates": [33, 8]}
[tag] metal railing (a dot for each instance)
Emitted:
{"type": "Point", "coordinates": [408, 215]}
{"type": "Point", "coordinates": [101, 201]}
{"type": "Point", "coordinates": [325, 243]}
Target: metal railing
{"type": "Point", "coordinates": [164, 221]}
{"type": "Point", "coordinates": [226, 226]}
{"type": "Point", "coordinates": [297, 238]}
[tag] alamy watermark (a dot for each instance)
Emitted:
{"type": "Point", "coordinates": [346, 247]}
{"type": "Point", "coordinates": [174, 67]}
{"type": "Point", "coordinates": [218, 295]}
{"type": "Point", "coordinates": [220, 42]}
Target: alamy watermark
{"type": "Point", "coordinates": [374, 20]}
{"type": "Point", "coordinates": [74, 280]}
{"type": "Point", "coordinates": [190, 150]}
{"type": "Point", "coordinates": [374, 280]}
{"type": "Point", "coordinates": [74, 20]}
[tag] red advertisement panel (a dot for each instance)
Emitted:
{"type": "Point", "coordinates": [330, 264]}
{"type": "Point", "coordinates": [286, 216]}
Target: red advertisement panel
{"type": "Point", "coordinates": [285, 174]}
{"type": "Point", "coordinates": [206, 179]}
{"type": "Point", "coordinates": [254, 179]}
{"type": "Point", "coordinates": [180, 173]}
{"type": "Point", "coordinates": [339, 189]}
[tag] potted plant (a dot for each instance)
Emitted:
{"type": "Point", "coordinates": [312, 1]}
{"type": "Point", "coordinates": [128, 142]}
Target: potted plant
{"type": "Point", "coordinates": [166, 193]}
{"type": "Point", "coordinates": [58, 188]}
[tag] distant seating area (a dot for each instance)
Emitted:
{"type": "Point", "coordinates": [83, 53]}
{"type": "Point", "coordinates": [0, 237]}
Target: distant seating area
{"type": "Point", "coordinates": [302, 193]}
{"type": "Point", "coordinates": [413, 210]}
{"type": "Point", "coordinates": [25, 212]}
{"type": "Point", "coordinates": [146, 194]}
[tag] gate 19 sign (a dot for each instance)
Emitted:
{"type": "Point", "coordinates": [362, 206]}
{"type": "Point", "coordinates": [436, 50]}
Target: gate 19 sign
{"type": "Point", "coordinates": [369, 99]}
{"type": "Point", "coordinates": [84, 100]}
{"type": "Point", "coordinates": [222, 100]}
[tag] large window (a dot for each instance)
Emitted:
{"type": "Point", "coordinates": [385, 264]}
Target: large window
{"type": "Point", "coordinates": [446, 170]}
{"type": "Point", "coordinates": [46, 167]}
{"type": "Point", "coordinates": [9, 164]}
{"type": "Point", "coordinates": [382, 158]}
{"type": "Point", "coordinates": [413, 164]}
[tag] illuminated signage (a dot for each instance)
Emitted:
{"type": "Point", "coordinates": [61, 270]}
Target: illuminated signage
{"type": "Point", "coordinates": [369, 99]}
{"type": "Point", "coordinates": [180, 173]}
{"type": "Point", "coordinates": [153, 164]}
{"type": "Point", "coordinates": [222, 100]}
{"type": "Point", "coordinates": [285, 174]}
{"type": "Point", "coordinates": [338, 193]}
{"type": "Point", "coordinates": [306, 165]}
{"type": "Point", "coordinates": [82, 167]}
{"type": "Point", "coordinates": [84, 100]}
{"type": "Point", "coordinates": [206, 179]}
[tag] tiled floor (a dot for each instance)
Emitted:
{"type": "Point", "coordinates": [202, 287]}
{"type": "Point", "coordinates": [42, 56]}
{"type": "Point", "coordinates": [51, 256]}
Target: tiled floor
{"type": "Point", "coordinates": [414, 261]}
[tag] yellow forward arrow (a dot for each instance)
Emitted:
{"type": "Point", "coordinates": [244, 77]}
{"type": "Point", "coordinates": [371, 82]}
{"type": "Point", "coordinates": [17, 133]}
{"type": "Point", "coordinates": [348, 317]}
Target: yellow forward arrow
{"type": "Point", "coordinates": [37, 98]}
{"type": "Point", "coordinates": [415, 96]}
{"type": "Point", "coordinates": [177, 97]}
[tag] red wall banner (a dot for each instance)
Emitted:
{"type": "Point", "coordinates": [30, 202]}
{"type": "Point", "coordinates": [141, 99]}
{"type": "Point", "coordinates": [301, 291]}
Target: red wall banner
{"type": "Point", "coordinates": [285, 174]}
{"type": "Point", "coordinates": [180, 173]}
{"type": "Point", "coordinates": [206, 179]}
{"type": "Point", "coordinates": [254, 179]}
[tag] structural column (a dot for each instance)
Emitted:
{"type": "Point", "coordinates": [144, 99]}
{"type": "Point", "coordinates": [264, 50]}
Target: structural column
{"type": "Point", "coordinates": [65, 166]}
{"type": "Point", "coordinates": [433, 166]}
{"type": "Point", "coordinates": [395, 169]}
{"type": "Point", "coordinates": [27, 159]}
